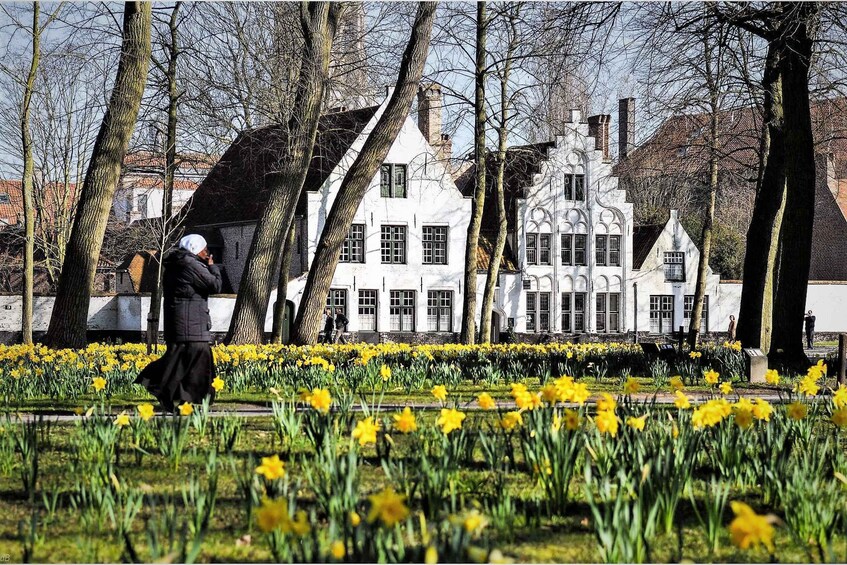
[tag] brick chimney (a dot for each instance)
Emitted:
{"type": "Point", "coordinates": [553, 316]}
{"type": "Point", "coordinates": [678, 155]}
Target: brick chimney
{"type": "Point", "coordinates": [626, 127]}
{"type": "Point", "coordinates": [430, 102]}
{"type": "Point", "coordinates": [598, 128]}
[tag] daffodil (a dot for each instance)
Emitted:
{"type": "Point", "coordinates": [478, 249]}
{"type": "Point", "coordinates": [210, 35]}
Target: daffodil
{"type": "Point", "coordinates": [385, 372]}
{"type": "Point", "coordinates": [606, 422]}
{"type": "Point", "coordinates": [796, 410]}
{"type": "Point", "coordinates": [439, 392]}
{"type": "Point", "coordinates": [388, 507]}
{"type": "Point", "coordinates": [485, 401]}
{"type": "Point", "coordinates": [637, 423]}
{"type": "Point", "coordinates": [676, 383]}
{"type": "Point", "coordinates": [839, 397]}
{"type": "Point", "coordinates": [405, 421]}
{"type": "Point", "coordinates": [749, 529]}
{"type": "Point", "coordinates": [711, 376]}
{"type": "Point", "coordinates": [365, 431]}
{"type": "Point", "coordinates": [839, 417]}
{"type": "Point", "coordinates": [122, 419]}
{"type": "Point", "coordinates": [145, 411]}
{"type": "Point", "coordinates": [99, 383]}
{"type": "Point", "coordinates": [807, 386]}
{"type": "Point", "coordinates": [743, 418]}
{"type": "Point", "coordinates": [695, 354]}
{"type": "Point", "coordinates": [337, 550]}
{"type": "Point", "coordinates": [631, 386]}
{"type": "Point", "coordinates": [320, 400]}
{"type": "Point", "coordinates": [449, 420]}
{"type": "Point", "coordinates": [772, 377]}
{"type": "Point", "coordinates": [681, 401]}
{"type": "Point", "coordinates": [726, 387]}
{"type": "Point", "coordinates": [271, 468]}
{"type": "Point", "coordinates": [762, 410]}
{"type": "Point", "coordinates": [606, 402]}
{"type": "Point", "coordinates": [218, 384]}
{"type": "Point", "coordinates": [272, 514]}
{"type": "Point", "coordinates": [186, 409]}
{"type": "Point", "coordinates": [510, 420]}
{"type": "Point", "coordinates": [571, 420]}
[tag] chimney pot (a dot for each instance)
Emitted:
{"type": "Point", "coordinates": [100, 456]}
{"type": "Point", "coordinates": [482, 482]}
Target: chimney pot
{"type": "Point", "coordinates": [598, 128]}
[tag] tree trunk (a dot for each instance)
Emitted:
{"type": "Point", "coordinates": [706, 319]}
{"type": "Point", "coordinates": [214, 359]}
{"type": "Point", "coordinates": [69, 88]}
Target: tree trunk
{"type": "Point", "coordinates": [69, 321]}
{"type": "Point", "coordinates": [493, 272]}
{"type": "Point", "coordinates": [468, 333]}
{"type": "Point", "coordinates": [795, 247]}
{"type": "Point", "coordinates": [27, 182]}
{"type": "Point", "coordinates": [286, 183]}
{"type": "Point", "coordinates": [282, 286]}
{"type": "Point", "coordinates": [167, 193]}
{"type": "Point", "coordinates": [756, 312]}
{"type": "Point", "coordinates": [359, 176]}
{"type": "Point", "coordinates": [712, 82]}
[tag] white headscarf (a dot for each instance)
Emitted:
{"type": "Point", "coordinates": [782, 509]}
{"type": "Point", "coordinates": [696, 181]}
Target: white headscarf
{"type": "Point", "coordinates": [193, 243]}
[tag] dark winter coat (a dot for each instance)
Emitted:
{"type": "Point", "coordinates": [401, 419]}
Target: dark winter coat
{"type": "Point", "coordinates": [341, 322]}
{"type": "Point", "coordinates": [187, 284]}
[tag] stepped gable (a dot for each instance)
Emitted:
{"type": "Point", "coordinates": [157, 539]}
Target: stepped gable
{"type": "Point", "coordinates": [829, 234]}
{"type": "Point", "coordinates": [235, 189]}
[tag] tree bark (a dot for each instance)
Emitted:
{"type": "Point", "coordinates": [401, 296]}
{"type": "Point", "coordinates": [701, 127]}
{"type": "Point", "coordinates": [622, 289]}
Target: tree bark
{"type": "Point", "coordinates": [170, 170]}
{"type": "Point", "coordinates": [712, 83]}
{"type": "Point", "coordinates": [468, 333]}
{"type": "Point", "coordinates": [282, 286]}
{"type": "Point", "coordinates": [286, 183]}
{"type": "Point", "coordinates": [27, 182]}
{"type": "Point", "coordinates": [359, 177]}
{"type": "Point", "coordinates": [69, 321]}
{"type": "Point", "coordinates": [795, 243]}
{"type": "Point", "coordinates": [493, 272]}
{"type": "Point", "coordinates": [756, 311]}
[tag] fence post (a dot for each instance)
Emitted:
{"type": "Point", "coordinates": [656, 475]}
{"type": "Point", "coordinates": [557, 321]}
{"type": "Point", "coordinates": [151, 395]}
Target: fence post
{"type": "Point", "coordinates": [681, 337]}
{"type": "Point", "coordinates": [842, 359]}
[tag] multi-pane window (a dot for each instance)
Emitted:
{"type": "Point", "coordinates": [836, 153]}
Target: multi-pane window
{"type": "Point", "coordinates": [607, 312]}
{"type": "Point", "coordinates": [688, 307]}
{"type": "Point", "coordinates": [434, 245]}
{"type": "Point", "coordinates": [607, 250]}
{"type": "Point", "coordinates": [337, 298]}
{"type": "Point", "coordinates": [392, 181]}
{"type": "Point", "coordinates": [439, 310]}
{"type": "Point", "coordinates": [401, 310]}
{"type": "Point", "coordinates": [538, 249]}
{"type": "Point", "coordinates": [579, 245]}
{"type": "Point", "coordinates": [574, 187]}
{"type": "Point", "coordinates": [367, 310]}
{"type": "Point", "coordinates": [544, 249]}
{"type": "Point", "coordinates": [353, 248]}
{"type": "Point", "coordinates": [393, 244]}
{"type": "Point", "coordinates": [661, 313]}
{"type": "Point", "coordinates": [573, 312]}
{"type": "Point", "coordinates": [532, 249]}
{"type": "Point", "coordinates": [538, 311]}
{"type": "Point", "coordinates": [674, 266]}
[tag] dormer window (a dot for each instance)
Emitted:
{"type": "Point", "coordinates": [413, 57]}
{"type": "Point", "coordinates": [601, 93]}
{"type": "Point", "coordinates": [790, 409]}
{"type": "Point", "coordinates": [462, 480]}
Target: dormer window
{"type": "Point", "coordinates": [393, 181]}
{"type": "Point", "coordinates": [575, 187]}
{"type": "Point", "coordinates": [674, 266]}
{"type": "Point", "coordinates": [4, 198]}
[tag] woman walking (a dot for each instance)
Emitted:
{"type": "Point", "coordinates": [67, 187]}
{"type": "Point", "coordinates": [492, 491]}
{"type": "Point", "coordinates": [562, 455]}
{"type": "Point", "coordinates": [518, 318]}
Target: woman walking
{"type": "Point", "coordinates": [186, 371]}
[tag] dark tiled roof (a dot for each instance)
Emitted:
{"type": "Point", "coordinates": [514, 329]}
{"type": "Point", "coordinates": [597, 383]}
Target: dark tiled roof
{"type": "Point", "coordinates": [485, 247]}
{"type": "Point", "coordinates": [829, 234]}
{"type": "Point", "coordinates": [235, 191]}
{"type": "Point", "coordinates": [643, 240]}
{"type": "Point", "coordinates": [522, 163]}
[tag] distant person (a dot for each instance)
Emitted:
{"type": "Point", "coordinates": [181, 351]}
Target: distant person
{"type": "Point", "coordinates": [186, 370]}
{"type": "Point", "coordinates": [731, 329]}
{"type": "Point", "coordinates": [810, 329]}
{"type": "Point", "coordinates": [329, 326]}
{"type": "Point", "coordinates": [341, 322]}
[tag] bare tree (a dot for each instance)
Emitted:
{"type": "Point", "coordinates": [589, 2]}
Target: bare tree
{"type": "Point", "coordinates": [359, 176]}
{"type": "Point", "coordinates": [286, 182]}
{"type": "Point", "coordinates": [68, 322]}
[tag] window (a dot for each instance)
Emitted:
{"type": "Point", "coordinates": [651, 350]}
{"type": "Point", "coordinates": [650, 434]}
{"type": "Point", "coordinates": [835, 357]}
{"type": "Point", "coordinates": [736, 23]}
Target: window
{"type": "Point", "coordinates": [607, 312]}
{"type": "Point", "coordinates": [434, 245]}
{"type": "Point", "coordinates": [439, 311]}
{"type": "Point", "coordinates": [142, 204]}
{"type": "Point", "coordinates": [574, 187]}
{"type": "Point", "coordinates": [674, 266]}
{"type": "Point", "coordinates": [607, 250]}
{"type": "Point", "coordinates": [367, 310]}
{"type": "Point", "coordinates": [337, 298]}
{"type": "Point", "coordinates": [393, 244]}
{"type": "Point", "coordinates": [661, 314]}
{"type": "Point", "coordinates": [402, 311]}
{"type": "Point", "coordinates": [688, 307]}
{"type": "Point", "coordinates": [538, 311]}
{"type": "Point", "coordinates": [353, 248]}
{"type": "Point", "coordinates": [573, 312]}
{"type": "Point", "coordinates": [532, 249]}
{"type": "Point", "coordinates": [544, 249]}
{"type": "Point", "coordinates": [4, 198]}
{"type": "Point", "coordinates": [392, 181]}
{"type": "Point", "coordinates": [579, 244]}
{"type": "Point", "coordinates": [601, 250]}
